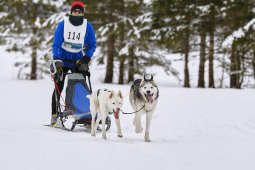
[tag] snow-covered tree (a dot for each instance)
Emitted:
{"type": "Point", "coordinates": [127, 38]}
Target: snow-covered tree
{"type": "Point", "coordinates": [238, 36]}
{"type": "Point", "coordinates": [28, 27]}
{"type": "Point", "coordinates": [123, 33]}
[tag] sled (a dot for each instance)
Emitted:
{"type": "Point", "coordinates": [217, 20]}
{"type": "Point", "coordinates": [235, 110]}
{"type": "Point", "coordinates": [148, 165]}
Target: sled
{"type": "Point", "coordinates": [76, 109]}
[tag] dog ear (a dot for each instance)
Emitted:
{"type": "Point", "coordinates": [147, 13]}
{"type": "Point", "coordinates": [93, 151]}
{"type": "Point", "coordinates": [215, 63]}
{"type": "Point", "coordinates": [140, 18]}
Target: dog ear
{"type": "Point", "coordinates": [120, 94]}
{"type": "Point", "coordinates": [111, 95]}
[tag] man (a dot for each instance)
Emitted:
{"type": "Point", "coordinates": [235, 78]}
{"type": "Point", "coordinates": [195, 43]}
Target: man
{"type": "Point", "coordinates": [74, 43]}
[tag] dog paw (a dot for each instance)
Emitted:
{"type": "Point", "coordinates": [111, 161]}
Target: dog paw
{"type": "Point", "coordinates": [93, 134]}
{"type": "Point", "coordinates": [147, 137]}
{"type": "Point", "coordinates": [120, 135]}
{"type": "Point", "coordinates": [147, 140]}
{"type": "Point", "coordinates": [104, 137]}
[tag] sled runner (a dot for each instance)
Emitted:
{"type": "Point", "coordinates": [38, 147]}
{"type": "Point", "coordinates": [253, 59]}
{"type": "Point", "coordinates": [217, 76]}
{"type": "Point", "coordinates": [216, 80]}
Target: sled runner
{"type": "Point", "coordinates": [76, 109]}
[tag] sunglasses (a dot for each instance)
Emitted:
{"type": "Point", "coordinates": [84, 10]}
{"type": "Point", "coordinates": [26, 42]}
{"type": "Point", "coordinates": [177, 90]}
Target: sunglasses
{"type": "Point", "coordinates": [77, 11]}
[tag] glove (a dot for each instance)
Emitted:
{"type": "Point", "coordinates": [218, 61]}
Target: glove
{"type": "Point", "coordinates": [83, 63]}
{"type": "Point", "coordinates": [60, 69]}
{"type": "Point", "coordinates": [82, 66]}
{"type": "Point", "coordinates": [59, 66]}
{"type": "Point", "coordinates": [56, 66]}
{"type": "Point", "coordinates": [85, 60]}
{"type": "Point", "coordinates": [79, 63]}
{"type": "Point", "coordinates": [85, 69]}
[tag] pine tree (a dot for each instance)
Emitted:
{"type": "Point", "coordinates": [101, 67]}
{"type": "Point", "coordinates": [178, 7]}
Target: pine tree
{"type": "Point", "coordinates": [119, 32]}
{"type": "Point", "coordinates": [29, 30]}
{"type": "Point", "coordinates": [237, 14]}
{"type": "Point", "coordinates": [173, 25]}
{"type": "Point", "coordinates": [105, 17]}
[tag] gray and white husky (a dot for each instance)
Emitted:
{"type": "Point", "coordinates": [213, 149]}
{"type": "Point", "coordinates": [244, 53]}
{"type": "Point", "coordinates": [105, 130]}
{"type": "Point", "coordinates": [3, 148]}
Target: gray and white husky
{"type": "Point", "coordinates": [143, 97]}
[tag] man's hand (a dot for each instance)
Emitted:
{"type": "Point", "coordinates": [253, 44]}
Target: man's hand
{"type": "Point", "coordinates": [59, 69]}
{"type": "Point", "coordinates": [82, 66]}
{"type": "Point", "coordinates": [56, 66]}
{"type": "Point", "coordinates": [85, 60]}
{"type": "Point", "coordinates": [79, 63]}
{"type": "Point", "coordinates": [83, 63]}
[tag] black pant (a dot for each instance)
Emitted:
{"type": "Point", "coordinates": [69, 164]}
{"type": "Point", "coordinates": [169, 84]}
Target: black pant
{"type": "Point", "coordinates": [60, 85]}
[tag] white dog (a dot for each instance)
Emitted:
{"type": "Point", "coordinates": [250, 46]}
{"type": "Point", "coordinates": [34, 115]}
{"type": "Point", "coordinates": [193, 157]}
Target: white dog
{"type": "Point", "coordinates": [103, 102]}
{"type": "Point", "coordinates": [143, 98]}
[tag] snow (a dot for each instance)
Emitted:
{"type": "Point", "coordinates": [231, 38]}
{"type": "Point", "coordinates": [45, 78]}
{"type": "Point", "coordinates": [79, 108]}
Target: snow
{"type": "Point", "coordinates": [3, 14]}
{"type": "Point", "coordinates": [124, 50]}
{"type": "Point", "coordinates": [54, 19]}
{"type": "Point", "coordinates": [147, 17]}
{"type": "Point", "coordinates": [5, 33]}
{"type": "Point", "coordinates": [205, 9]}
{"type": "Point", "coordinates": [37, 22]}
{"type": "Point", "coordinates": [227, 43]}
{"type": "Point", "coordinates": [192, 129]}
{"type": "Point", "coordinates": [147, 1]}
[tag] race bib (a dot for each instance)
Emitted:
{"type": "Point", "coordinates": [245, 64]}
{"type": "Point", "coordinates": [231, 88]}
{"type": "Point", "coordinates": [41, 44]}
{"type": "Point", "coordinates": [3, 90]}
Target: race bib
{"type": "Point", "coordinates": [74, 36]}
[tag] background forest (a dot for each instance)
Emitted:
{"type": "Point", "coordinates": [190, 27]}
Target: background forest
{"type": "Point", "coordinates": [135, 35]}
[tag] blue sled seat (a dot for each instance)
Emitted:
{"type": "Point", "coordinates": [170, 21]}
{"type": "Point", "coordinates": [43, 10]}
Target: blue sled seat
{"type": "Point", "coordinates": [77, 100]}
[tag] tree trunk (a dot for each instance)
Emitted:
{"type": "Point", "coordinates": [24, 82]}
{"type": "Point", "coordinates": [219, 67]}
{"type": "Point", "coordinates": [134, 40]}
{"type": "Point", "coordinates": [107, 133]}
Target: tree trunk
{"type": "Point", "coordinates": [232, 66]}
{"type": "Point", "coordinates": [201, 81]}
{"type": "Point", "coordinates": [238, 70]}
{"type": "Point", "coordinates": [211, 57]}
{"type": "Point", "coordinates": [121, 69]}
{"type": "Point", "coordinates": [235, 68]}
{"type": "Point", "coordinates": [33, 63]}
{"type": "Point", "coordinates": [34, 45]}
{"type": "Point", "coordinates": [223, 68]}
{"type": "Point", "coordinates": [122, 57]}
{"type": "Point", "coordinates": [242, 67]}
{"type": "Point", "coordinates": [253, 63]}
{"type": "Point", "coordinates": [131, 64]}
{"type": "Point", "coordinates": [122, 43]}
{"type": "Point", "coordinates": [110, 58]}
{"type": "Point", "coordinates": [186, 60]}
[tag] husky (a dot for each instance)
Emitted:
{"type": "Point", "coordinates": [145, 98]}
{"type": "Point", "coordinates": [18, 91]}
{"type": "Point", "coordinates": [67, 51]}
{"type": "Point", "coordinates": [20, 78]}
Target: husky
{"type": "Point", "coordinates": [103, 102]}
{"type": "Point", "coordinates": [143, 98]}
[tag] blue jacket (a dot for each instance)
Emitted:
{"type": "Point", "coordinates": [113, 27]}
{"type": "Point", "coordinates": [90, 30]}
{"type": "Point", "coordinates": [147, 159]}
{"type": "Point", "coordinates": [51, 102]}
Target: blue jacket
{"type": "Point", "coordinates": [61, 54]}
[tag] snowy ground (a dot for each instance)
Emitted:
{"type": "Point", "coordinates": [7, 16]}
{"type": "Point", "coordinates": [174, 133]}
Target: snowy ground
{"type": "Point", "coordinates": [192, 129]}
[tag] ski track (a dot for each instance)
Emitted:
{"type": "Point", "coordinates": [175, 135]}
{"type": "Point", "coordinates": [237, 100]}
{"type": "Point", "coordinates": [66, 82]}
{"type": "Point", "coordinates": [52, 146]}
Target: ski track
{"type": "Point", "coordinates": [192, 129]}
